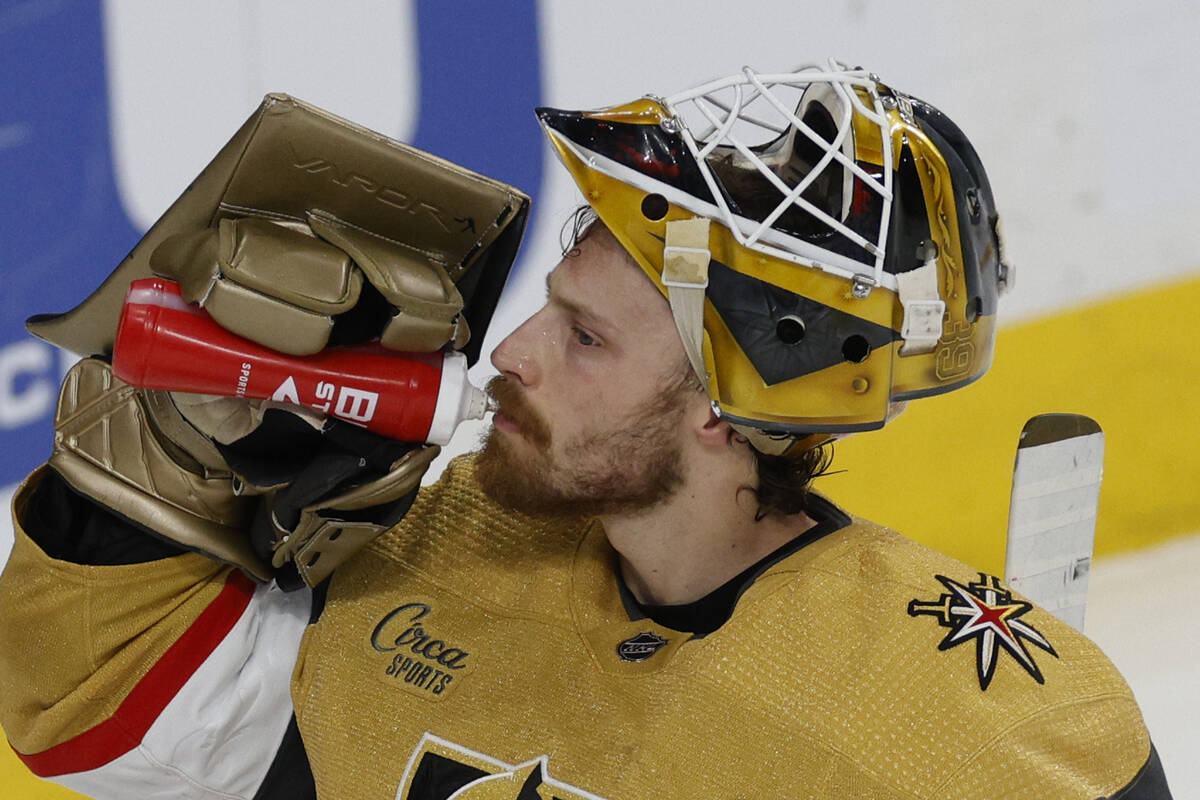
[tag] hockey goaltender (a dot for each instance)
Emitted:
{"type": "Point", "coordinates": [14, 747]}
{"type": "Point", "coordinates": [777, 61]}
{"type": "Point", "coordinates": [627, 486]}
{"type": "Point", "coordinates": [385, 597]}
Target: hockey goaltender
{"type": "Point", "coordinates": [629, 592]}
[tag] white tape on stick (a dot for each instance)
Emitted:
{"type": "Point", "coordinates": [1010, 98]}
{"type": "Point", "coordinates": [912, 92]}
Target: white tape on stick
{"type": "Point", "coordinates": [1052, 515]}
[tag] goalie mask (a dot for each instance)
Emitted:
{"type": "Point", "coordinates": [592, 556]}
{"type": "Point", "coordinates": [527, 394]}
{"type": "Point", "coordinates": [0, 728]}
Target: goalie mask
{"type": "Point", "coordinates": [828, 245]}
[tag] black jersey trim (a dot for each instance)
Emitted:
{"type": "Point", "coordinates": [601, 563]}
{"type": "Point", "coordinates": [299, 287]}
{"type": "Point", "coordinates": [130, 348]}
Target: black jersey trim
{"type": "Point", "coordinates": [1149, 784]}
{"type": "Point", "coordinates": [710, 612]}
{"type": "Point", "coordinates": [289, 777]}
{"type": "Point", "coordinates": [319, 594]}
{"type": "Point", "coordinates": [439, 777]}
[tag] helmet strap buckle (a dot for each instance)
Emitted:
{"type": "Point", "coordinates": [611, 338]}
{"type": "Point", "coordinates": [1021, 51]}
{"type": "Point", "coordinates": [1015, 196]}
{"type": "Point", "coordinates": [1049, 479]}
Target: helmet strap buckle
{"type": "Point", "coordinates": [923, 308]}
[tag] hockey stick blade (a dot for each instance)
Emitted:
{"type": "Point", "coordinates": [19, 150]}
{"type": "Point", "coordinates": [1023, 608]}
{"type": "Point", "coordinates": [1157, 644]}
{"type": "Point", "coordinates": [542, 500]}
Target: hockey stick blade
{"type": "Point", "coordinates": [1052, 513]}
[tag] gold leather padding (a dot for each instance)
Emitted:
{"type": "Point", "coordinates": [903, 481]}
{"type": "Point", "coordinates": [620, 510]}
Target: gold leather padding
{"type": "Point", "coordinates": [423, 229]}
{"type": "Point", "coordinates": [273, 284]}
{"type": "Point", "coordinates": [280, 285]}
{"type": "Point", "coordinates": [428, 304]}
{"type": "Point", "coordinates": [110, 444]}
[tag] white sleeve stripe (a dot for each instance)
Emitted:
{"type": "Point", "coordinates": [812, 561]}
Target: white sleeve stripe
{"type": "Point", "coordinates": [218, 735]}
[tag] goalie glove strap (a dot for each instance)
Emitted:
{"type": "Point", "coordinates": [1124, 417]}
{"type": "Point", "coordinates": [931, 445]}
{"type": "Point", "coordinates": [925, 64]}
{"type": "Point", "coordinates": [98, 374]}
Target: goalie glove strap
{"type": "Point", "coordinates": [334, 507]}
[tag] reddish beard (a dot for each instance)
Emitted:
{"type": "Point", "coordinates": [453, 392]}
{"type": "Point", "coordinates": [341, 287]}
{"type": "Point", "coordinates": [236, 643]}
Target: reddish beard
{"type": "Point", "coordinates": [513, 405]}
{"type": "Point", "coordinates": [618, 469]}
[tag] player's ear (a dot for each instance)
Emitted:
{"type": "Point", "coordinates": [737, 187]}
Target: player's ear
{"type": "Point", "coordinates": [710, 430]}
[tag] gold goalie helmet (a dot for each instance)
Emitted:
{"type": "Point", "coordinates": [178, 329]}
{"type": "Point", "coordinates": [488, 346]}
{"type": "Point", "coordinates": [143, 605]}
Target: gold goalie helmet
{"type": "Point", "coordinates": [829, 246]}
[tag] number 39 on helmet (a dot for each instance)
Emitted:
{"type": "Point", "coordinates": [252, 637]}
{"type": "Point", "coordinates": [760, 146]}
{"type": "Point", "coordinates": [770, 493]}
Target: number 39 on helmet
{"type": "Point", "coordinates": [829, 246]}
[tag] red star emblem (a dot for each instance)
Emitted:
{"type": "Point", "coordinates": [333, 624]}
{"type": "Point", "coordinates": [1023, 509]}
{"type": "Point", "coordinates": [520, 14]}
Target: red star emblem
{"type": "Point", "coordinates": [986, 612]}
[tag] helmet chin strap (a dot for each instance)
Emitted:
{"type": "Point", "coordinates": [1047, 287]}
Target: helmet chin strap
{"type": "Point", "coordinates": [685, 274]}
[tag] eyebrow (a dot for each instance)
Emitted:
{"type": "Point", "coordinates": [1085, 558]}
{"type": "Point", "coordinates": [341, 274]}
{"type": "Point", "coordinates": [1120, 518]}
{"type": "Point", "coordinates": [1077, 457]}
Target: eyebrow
{"type": "Point", "coordinates": [578, 310]}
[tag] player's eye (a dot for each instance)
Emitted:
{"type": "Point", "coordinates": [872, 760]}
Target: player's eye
{"type": "Point", "coordinates": [583, 337]}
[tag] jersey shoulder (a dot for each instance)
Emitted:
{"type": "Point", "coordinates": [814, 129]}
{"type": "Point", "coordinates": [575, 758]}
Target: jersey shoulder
{"type": "Point", "coordinates": [942, 609]}
{"type": "Point", "coordinates": [894, 636]}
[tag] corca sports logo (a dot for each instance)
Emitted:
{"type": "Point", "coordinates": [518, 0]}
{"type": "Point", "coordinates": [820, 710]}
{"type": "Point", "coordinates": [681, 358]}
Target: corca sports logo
{"type": "Point", "coordinates": [421, 661]}
{"type": "Point", "coordinates": [442, 770]}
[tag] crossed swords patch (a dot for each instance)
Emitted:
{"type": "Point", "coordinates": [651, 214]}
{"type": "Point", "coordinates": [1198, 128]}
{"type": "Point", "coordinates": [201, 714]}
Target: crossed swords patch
{"type": "Point", "coordinates": [985, 611]}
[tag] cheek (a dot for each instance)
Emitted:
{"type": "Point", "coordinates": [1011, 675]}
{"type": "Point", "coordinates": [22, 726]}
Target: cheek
{"type": "Point", "coordinates": [605, 406]}
{"type": "Point", "coordinates": [582, 412]}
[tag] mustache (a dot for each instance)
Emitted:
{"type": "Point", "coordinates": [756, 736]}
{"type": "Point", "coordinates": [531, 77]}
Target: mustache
{"type": "Point", "coordinates": [513, 404]}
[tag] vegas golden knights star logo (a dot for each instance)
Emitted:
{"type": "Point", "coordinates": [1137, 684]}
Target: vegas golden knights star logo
{"type": "Point", "coordinates": [442, 770]}
{"type": "Point", "coordinates": [986, 612]}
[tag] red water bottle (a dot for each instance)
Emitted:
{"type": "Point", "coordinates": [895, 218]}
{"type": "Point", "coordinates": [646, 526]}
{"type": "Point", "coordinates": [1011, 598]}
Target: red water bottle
{"type": "Point", "coordinates": [163, 342]}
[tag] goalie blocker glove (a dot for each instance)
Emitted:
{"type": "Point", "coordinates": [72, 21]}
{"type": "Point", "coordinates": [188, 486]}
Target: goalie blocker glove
{"type": "Point", "coordinates": [280, 247]}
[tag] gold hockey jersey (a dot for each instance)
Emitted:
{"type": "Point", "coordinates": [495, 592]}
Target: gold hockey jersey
{"type": "Point", "coordinates": [475, 653]}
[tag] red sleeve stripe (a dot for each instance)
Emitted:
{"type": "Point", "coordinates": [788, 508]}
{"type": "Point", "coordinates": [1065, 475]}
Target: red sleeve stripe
{"type": "Point", "coordinates": [124, 730]}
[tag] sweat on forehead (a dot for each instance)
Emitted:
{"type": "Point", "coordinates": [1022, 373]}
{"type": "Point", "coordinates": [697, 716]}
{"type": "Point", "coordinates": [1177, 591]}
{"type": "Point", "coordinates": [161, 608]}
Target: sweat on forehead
{"type": "Point", "coordinates": [580, 226]}
{"type": "Point", "coordinates": [598, 241]}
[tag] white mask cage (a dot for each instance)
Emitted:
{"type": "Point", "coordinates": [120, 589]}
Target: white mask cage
{"type": "Point", "coordinates": [750, 120]}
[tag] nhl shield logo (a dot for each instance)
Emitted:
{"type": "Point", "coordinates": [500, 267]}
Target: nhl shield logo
{"type": "Point", "coordinates": [442, 770]}
{"type": "Point", "coordinates": [641, 647]}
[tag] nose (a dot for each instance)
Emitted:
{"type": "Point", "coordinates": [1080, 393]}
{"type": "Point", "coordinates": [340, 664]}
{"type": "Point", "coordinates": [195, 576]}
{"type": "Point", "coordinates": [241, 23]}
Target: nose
{"type": "Point", "coordinates": [515, 357]}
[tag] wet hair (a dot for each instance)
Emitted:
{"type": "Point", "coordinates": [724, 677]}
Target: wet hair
{"type": "Point", "coordinates": [576, 228]}
{"type": "Point", "coordinates": [783, 481]}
